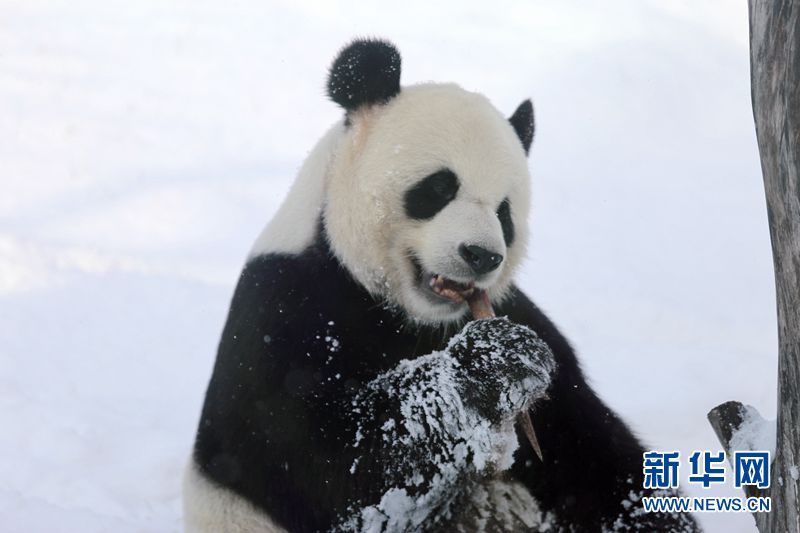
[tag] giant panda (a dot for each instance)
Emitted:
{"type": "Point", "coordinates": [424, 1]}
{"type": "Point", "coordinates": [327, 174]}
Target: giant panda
{"type": "Point", "coordinates": [351, 393]}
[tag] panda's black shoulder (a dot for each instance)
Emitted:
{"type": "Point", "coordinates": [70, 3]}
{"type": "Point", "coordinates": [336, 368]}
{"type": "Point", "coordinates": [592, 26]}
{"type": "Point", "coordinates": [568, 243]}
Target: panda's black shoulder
{"type": "Point", "coordinates": [285, 300]}
{"type": "Point", "coordinates": [309, 305]}
{"type": "Point", "coordinates": [277, 283]}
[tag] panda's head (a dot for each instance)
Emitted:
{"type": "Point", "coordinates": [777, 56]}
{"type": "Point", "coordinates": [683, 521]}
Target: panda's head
{"type": "Point", "coordinates": [428, 180]}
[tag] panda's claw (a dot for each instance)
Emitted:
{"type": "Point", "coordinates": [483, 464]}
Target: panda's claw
{"type": "Point", "coordinates": [524, 419]}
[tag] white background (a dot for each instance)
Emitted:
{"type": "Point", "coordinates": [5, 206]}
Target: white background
{"type": "Point", "coordinates": [143, 145]}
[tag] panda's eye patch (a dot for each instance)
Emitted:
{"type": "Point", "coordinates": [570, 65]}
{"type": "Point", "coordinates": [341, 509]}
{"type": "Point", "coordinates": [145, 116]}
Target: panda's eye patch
{"type": "Point", "coordinates": [431, 195]}
{"type": "Point", "coordinates": [504, 214]}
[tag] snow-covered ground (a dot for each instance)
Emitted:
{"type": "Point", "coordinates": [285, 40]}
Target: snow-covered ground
{"type": "Point", "coordinates": [144, 144]}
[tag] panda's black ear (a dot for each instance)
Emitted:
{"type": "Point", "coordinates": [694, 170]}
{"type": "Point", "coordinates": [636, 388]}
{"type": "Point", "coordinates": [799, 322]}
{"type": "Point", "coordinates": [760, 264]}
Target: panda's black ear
{"type": "Point", "coordinates": [367, 71]}
{"type": "Point", "coordinates": [522, 121]}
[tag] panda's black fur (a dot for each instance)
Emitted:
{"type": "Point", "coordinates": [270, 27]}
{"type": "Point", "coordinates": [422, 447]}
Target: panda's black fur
{"type": "Point", "coordinates": [523, 123]}
{"type": "Point", "coordinates": [365, 72]}
{"type": "Point", "coordinates": [303, 342]}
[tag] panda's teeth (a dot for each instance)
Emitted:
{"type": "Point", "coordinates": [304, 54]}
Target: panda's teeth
{"type": "Point", "coordinates": [452, 295]}
{"type": "Point", "coordinates": [454, 291]}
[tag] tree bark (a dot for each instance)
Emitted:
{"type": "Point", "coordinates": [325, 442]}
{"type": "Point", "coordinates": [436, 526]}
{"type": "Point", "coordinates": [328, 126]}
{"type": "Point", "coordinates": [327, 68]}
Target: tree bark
{"type": "Point", "coordinates": [775, 86]}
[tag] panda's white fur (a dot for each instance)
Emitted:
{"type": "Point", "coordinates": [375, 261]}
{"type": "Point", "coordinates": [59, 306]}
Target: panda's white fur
{"type": "Point", "coordinates": [209, 508]}
{"type": "Point", "coordinates": [391, 147]}
{"type": "Point", "coordinates": [294, 225]}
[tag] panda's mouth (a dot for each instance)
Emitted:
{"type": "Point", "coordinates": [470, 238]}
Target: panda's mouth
{"type": "Point", "coordinates": [449, 289]}
{"type": "Point", "coordinates": [440, 288]}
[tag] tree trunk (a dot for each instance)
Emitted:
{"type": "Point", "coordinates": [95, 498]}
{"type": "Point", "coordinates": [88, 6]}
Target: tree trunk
{"type": "Point", "coordinates": [775, 85]}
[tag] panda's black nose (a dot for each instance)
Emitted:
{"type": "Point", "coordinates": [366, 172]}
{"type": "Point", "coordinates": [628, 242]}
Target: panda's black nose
{"type": "Point", "coordinates": [479, 259]}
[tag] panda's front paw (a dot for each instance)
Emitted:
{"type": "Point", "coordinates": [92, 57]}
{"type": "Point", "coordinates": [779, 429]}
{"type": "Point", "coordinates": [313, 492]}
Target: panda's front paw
{"type": "Point", "coordinates": [506, 366]}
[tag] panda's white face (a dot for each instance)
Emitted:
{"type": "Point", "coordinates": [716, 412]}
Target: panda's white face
{"type": "Point", "coordinates": [433, 183]}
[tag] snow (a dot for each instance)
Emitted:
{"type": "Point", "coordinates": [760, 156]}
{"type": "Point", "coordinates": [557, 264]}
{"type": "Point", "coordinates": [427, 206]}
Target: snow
{"type": "Point", "coordinates": [143, 146]}
{"type": "Point", "coordinates": [754, 433]}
